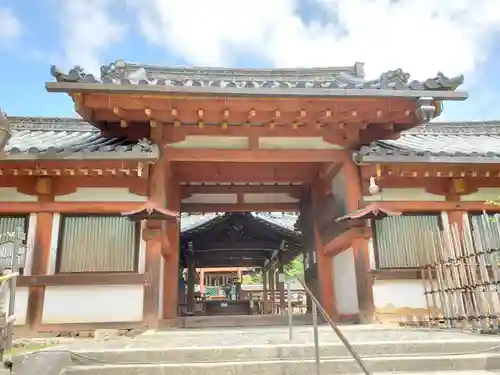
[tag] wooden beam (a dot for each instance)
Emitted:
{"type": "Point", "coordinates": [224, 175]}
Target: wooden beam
{"type": "Point", "coordinates": [346, 240]}
{"type": "Point", "coordinates": [68, 207]}
{"type": "Point", "coordinates": [83, 279]}
{"type": "Point", "coordinates": [225, 172]}
{"type": "Point", "coordinates": [240, 189]}
{"type": "Point", "coordinates": [259, 156]}
{"type": "Point", "coordinates": [244, 207]}
{"type": "Point", "coordinates": [404, 206]}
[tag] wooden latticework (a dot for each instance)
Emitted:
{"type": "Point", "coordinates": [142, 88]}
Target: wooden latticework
{"type": "Point", "coordinates": [461, 275]}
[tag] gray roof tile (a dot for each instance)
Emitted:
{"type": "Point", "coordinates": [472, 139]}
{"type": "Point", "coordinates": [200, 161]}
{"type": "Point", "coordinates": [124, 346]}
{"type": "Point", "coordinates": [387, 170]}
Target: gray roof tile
{"type": "Point", "coordinates": [69, 138]}
{"type": "Point", "coordinates": [284, 221]}
{"type": "Point", "coordinates": [121, 72]}
{"type": "Point", "coordinates": [455, 142]}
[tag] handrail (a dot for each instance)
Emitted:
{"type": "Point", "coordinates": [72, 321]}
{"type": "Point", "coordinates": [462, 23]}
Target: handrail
{"type": "Point", "coordinates": [343, 339]}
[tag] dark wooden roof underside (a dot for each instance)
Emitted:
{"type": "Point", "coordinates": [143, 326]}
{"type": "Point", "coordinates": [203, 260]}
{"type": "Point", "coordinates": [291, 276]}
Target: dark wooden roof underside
{"type": "Point", "coordinates": [239, 240]}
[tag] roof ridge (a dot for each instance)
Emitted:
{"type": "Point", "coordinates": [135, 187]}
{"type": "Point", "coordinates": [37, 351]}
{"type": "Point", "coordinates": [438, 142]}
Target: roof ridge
{"type": "Point", "coordinates": [51, 124]}
{"type": "Point", "coordinates": [357, 69]}
{"type": "Point", "coordinates": [457, 128]}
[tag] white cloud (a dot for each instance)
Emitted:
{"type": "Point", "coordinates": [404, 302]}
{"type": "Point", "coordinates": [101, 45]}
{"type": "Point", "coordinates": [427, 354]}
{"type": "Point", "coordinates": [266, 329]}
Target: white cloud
{"type": "Point", "coordinates": [10, 27]}
{"type": "Point", "coordinates": [420, 36]}
{"type": "Point", "coordinates": [87, 30]}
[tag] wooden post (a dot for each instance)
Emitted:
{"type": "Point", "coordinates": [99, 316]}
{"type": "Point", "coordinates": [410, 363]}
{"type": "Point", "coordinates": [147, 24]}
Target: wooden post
{"type": "Point", "coordinates": [191, 280]}
{"type": "Point", "coordinates": [364, 279]}
{"type": "Point", "coordinates": [202, 281]}
{"type": "Point", "coordinates": [152, 234]}
{"type": "Point", "coordinates": [41, 252]}
{"type": "Point", "coordinates": [324, 262]}
{"type": "Point", "coordinates": [281, 288]}
{"type": "Point", "coordinates": [271, 288]}
{"type": "Point", "coordinates": [171, 270]}
{"type": "Point", "coordinates": [265, 294]}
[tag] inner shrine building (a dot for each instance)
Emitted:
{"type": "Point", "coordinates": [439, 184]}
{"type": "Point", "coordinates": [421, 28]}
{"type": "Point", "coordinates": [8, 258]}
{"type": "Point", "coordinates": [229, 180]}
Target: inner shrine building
{"type": "Point", "coordinates": [99, 196]}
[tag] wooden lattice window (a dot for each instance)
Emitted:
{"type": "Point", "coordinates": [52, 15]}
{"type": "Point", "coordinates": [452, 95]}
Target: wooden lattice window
{"type": "Point", "coordinates": [405, 241]}
{"type": "Point", "coordinates": [8, 225]}
{"type": "Point", "coordinates": [97, 243]}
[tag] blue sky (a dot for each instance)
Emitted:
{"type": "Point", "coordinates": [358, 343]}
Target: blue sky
{"type": "Point", "coordinates": [420, 36]}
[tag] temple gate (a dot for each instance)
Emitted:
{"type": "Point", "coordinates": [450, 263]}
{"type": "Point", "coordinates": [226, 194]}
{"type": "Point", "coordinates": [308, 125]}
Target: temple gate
{"type": "Point", "coordinates": [226, 140]}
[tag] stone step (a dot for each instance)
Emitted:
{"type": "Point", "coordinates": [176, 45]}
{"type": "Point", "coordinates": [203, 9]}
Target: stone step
{"type": "Point", "coordinates": [150, 352]}
{"type": "Point", "coordinates": [242, 321]}
{"type": "Point", "coordinates": [433, 363]}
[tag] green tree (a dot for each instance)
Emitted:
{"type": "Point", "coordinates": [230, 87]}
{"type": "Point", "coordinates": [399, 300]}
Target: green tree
{"type": "Point", "coordinates": [293, 269]}
{"type": "Point", "coordinates": [252, 278]}
{"type": "Point", "coordinates": [296, 267]}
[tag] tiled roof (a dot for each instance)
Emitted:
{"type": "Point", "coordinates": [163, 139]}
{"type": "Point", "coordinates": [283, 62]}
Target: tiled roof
{"type": "Point", "coordinates": [455, 142]}
{"type": "Point", "coordinates": [191, 221]}
{"type": "Point", "coordinates": [69, 138]}
{"type": "Point", "coordinates": [121, 72]}
{"type": "Point", "coordinates": [274, 221]}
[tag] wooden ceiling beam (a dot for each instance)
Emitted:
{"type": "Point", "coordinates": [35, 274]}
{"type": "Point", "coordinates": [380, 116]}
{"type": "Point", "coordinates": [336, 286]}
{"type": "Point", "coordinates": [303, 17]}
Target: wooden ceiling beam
{"type": "Point", "coordinates": [241, 207]}
{"type": "Point", "coordinates": [240, 189]}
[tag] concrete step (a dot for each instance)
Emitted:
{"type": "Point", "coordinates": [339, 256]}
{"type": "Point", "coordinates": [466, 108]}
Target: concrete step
{"type": "Point", "coordinates": [137, 352]}
{"type": "Point", "coordinates": [468, 363]}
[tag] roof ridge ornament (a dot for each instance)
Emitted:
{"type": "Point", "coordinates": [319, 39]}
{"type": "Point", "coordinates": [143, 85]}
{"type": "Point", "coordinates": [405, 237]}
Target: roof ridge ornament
{"type": "Point", "coordinates": [425, 109]}
{"type": "Point", "coordinates": [5, 130]}
{"type": "Point", "coordinates": [76, 74]}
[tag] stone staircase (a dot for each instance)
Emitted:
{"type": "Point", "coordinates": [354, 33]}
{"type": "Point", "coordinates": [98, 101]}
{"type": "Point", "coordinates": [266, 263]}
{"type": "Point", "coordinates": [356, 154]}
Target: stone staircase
{"type": "Point", "coordinates": [269, 351]}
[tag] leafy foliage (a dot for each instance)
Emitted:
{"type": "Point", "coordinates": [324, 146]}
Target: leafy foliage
{"type": "Point", "coordinates": [295, 269]}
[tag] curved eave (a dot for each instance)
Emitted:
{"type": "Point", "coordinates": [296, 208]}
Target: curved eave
{"type": "Point", "coordinates": [69, 87]}
{"type": "Point", "coordinates": [431, 159]}
{"type": "Point", "coordinates": [152, 155]}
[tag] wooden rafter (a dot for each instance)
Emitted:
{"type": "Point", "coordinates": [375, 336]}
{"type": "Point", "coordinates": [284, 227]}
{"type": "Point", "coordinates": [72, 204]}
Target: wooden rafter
{"type": "Point", "coordinates": [239, 207]}
{"type": "Point", "coordinates": [292, 190]}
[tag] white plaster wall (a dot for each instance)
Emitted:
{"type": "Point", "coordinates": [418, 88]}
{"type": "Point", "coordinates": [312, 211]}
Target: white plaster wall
{"type": "Point", "coordinates": [344, 282]}
{"type": "Point", "coordinates": [286, 143]}
{"type": "Point", "coordinates": [482, 195]}
{"type": "Point", "coordinates": [213, 142]}
{"type": "Point", "coordinates": [404, 194]}
{"type": "Point", "coordinates": [93, 304]}
{"type": "Point", "coordinates": [21, 305]}
{"type": "Point", "coordinates": [371, 254]}
{"type": "Point", "coordinates": [268, 198]}
{"type": "Point", "coordinates": [30, 243]}
{"type": "Point", "coordinates": [399, 294]}
{"type": "Point", "coordinates": [10, 194]}
{"type": "Point", "coordinates": [211, 198]}
{"type": "Point", "coordinates": [141, 267]}
{"type": "Point", "coordinates": [97, 194]}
